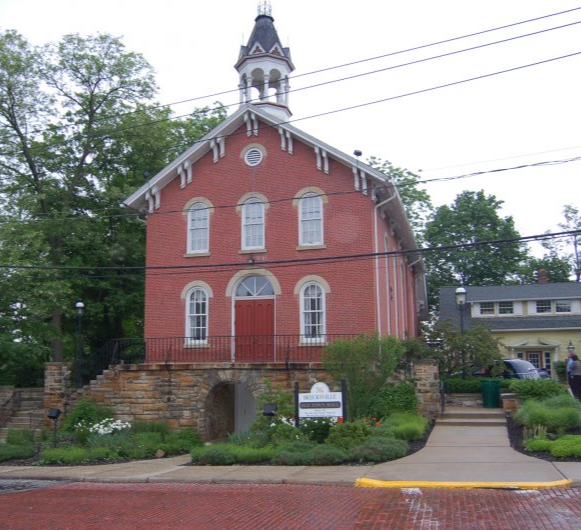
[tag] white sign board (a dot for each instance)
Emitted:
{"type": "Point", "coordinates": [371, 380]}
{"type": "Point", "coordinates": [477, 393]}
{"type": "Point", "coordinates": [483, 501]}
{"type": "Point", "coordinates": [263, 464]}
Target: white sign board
{"type": "Point", "coordinates": [320, 402]}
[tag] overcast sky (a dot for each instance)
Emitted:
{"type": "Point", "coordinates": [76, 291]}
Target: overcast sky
{"type": "Point", "coordinates": [526, 116]}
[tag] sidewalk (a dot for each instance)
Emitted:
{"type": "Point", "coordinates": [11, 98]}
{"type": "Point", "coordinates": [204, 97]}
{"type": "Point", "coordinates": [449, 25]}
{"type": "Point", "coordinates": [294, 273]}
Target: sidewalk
{"type": "Point", "coordinates": [454, 457]}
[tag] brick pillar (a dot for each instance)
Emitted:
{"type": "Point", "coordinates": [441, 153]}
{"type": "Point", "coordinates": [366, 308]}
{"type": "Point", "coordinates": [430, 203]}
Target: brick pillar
{"type": "Point", "coordinates": [427, 378]}
{"type": "Point", "coordinates": [57, 387]}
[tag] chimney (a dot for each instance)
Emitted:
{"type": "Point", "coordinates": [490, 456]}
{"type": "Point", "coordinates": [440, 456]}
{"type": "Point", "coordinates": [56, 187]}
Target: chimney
{"type": "Point", "coordinates": [542, 276]}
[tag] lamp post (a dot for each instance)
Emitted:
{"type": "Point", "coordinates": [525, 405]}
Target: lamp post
{"type": "Point", "coordinates": [570, 349]}
{"type": "Point", "coordinates": [461, 304]}
{"type": "Point", "coordinates": [80, 307]}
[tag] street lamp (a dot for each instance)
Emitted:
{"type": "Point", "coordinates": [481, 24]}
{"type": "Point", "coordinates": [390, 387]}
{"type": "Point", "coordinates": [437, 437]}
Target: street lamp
{"type": "Point", "coordinates": [461, 304]}
{"type": "Point", "coordinates": [80, 307]}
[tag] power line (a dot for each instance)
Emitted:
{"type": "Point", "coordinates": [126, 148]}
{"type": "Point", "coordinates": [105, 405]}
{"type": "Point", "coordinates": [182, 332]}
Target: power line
{"type": "Point", "coordinates": [299, 261]}
{"type": "Point", "coordinates": [48, 217]}
{"type": "Point", "coordinates": [153, 122]}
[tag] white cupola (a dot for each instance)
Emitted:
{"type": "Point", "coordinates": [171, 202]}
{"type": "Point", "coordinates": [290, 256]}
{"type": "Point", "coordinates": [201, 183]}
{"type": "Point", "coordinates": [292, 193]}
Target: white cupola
{"type": "Point", "coordinates": [264, 67]}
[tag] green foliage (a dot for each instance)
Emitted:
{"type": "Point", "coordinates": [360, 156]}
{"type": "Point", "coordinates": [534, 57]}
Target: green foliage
{"type": "Point", "coordinates": [457, 385]}
{"type": "Point", "coordinates": [316, 429]}
{"type": "Point", "coordinates": [283, 433]}
{"type": "Point", "coordinates": [282, 398]}
{"type": "Point", "coordinates": [254, 439]}
{"type": "Point", "coordinates": [562, 418]}
{"type": "Point", "coordinates": [227, 455]}
{"type": "Point", "coordinates": [536, 388]}
{"type": "Point", "coordinates": [405, 426]}
{"type": "Point", "coordinates": [150, 426]}
{"type": "Point", "coordinates": [539, 445]}
{"type": "Point", "coordinates": [561, 370]}
{"type": "Point", "coordinates": [22, 437]}
{"type": "Point", "coordinates": [378, 449]}
{"type": "Point", "coordinates": [349, 434]}
{"type": "Point", "coordinates": [299, 454]}
{"type": "Point", "coordinates": [479, 349]}
{"type": "Point", "coordinates": [395, 397]}
{"type": "Point", "coordinates": [365, 363]}
{"type": "Point", "coordinates": [474, 216]}
{"type": "Point", "coordinates": [567, 446]}
{"type": "Point", "coordinates": [86, 413]}
{"type": "Point", "coordinates": [13, 452]}
{"type": "Point", "coordinates": [181, 441]}
{"type": "Point", "coordinates": [76, 455]}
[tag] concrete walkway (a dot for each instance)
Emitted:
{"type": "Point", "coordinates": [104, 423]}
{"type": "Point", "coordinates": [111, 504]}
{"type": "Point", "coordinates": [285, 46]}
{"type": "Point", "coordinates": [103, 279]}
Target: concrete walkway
{"type": "Point", "coordinates": [456, 456]}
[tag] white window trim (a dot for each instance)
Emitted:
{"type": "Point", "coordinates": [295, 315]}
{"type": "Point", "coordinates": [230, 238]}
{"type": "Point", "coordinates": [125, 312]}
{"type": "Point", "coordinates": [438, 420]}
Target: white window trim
{"type": "Point", "coordinates": [322, 339]}
{"type": "Point", "coordinates": [301, 201]}
{"type": "Point", "coordinates": [248, 202]}
{"type": "Point", "coordinates": [190, 341]}
{"type": "Point", "coordinates": [198, 206]}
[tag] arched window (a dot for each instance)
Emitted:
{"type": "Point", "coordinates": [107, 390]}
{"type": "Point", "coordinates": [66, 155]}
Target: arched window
{"type": "Point", "coordinates": [311, 220]}
{"type": "Point", "coordinates": [253, 225]}
{"type": "Point", "coordinates": [198, 228]}
{"type": "Point", "coordinates": [313, 316]}
{"type": "Point", "coordinates": [197, 317]}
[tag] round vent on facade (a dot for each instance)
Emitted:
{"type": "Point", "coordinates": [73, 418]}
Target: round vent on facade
{"type": "Point", "coordinates": [253, 157]}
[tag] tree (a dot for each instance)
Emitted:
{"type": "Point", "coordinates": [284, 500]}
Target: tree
{"type": "Point", "coordinates": [461, 353]}
{"type": "Point", "coordinates": [568, 249]}
{"type": "Point", "coordinates": [416, 201]}
{"type": "Point", "coordinates": [79, 133]}
{"type": "Point", "coordinates": [556, 268]}
{"type": "Point", "coordinates": [365, 363]}
{"type": "Point", "coordinates": [472, 219]}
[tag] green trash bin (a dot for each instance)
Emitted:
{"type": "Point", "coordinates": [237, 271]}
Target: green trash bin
{"type": "Point", "coordinates": [491, 393]}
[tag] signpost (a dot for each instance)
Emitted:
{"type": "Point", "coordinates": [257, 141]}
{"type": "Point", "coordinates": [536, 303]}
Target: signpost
{"type": "Point", "coordinates": [320, 402]}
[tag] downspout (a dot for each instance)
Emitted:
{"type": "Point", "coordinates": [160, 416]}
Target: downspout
{"type": "Point", "coordinates": [417, 315]}
{"type": "Point", "coordinates": [378, 303]}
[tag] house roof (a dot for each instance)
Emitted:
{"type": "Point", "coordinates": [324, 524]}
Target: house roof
{"type": "Point", "coordinates": [499, 293]}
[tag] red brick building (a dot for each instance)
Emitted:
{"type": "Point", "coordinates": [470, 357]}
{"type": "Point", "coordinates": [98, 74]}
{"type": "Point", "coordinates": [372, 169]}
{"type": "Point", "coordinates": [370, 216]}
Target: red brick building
{"type": "Point", "coordinates": [269, 242]}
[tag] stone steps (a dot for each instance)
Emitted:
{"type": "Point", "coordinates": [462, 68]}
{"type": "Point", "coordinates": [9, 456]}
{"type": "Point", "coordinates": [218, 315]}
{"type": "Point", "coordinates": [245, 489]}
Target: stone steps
{"type": "Point", "coordinates": [468, 416]}
{"type": "Point", "coordinates": [31, 412]}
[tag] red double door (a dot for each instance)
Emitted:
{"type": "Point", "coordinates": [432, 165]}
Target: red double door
{"type": "Point", "coordinates": [254, 330]}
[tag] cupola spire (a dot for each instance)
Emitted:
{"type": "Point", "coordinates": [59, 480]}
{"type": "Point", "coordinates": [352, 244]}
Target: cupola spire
{"type": "Point", "coordinates": [264, 66]}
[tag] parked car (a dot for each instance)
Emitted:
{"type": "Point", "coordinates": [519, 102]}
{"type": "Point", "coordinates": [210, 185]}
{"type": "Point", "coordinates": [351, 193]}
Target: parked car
{"type": "Point", "coordinates": [520, 369]}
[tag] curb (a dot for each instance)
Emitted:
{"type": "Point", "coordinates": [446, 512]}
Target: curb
{"type": "Point", "coordinates": [371, 483]}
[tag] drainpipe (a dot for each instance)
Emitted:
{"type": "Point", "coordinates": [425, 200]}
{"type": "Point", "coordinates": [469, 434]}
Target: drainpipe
{"type": "Point", "coordinates": [375, 231]}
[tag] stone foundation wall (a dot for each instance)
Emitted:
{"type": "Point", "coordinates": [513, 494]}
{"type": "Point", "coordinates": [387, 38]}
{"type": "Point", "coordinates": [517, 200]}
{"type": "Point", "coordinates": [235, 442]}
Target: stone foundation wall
{"type": "Point", "coordinates": [181, 395]}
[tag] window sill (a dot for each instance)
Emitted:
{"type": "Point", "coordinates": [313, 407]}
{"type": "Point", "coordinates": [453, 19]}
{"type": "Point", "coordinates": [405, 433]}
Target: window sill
{"type": "Point", "coordinates": [313, 342]}
{"type": "Point", "coordinates": [311, 247]}
{"type": "Point", "coordinates": [252, 251]}
{"type": "Point", "coordinates": [197, 254]}
{"type": "Point", "coordinates": [195, 344]}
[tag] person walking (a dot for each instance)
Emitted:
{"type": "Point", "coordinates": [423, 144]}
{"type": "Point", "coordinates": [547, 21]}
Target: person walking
{"type": "Point", "coordinates": [574, 371]}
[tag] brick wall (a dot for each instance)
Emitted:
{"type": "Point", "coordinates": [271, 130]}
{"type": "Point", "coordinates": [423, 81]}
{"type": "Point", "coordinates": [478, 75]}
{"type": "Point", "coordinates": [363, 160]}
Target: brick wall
{"type": "Point", "coordinates": [348, 228]}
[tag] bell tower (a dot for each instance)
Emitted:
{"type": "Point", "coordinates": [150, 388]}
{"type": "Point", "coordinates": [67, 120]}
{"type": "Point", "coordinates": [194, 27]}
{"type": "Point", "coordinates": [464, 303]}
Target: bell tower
{"type": "Point", "coordinates": [264, 66]}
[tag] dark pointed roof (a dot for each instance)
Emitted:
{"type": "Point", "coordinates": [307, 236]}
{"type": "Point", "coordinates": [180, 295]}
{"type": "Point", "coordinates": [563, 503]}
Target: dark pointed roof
{"type": "Point", "coordinates": [265, 36]}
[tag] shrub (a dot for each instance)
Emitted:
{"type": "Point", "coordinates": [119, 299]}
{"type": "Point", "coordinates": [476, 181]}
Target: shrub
{"type": "Point", "coordinates": [538, 444]}
{"type": "Point", "coordinates": [349, 434]}
{"type": "Point", "coordinates": [283, 399]}
{"type": "Point", "coordinates": [21, 437]}
{"type": "Point", "coordinates": [13, 452]}
{"type": "Point", "coordinates": [282, 434]}
{"type": "Point", "coordinates": [567, 446]}
{"type": "Point", "coordinates": [316, 429]}
{"type": "Point", "coordinates": [378, 449]}
{"type": "Point", "coordinates": [76, 455]}
{"type": "Point", "coordinates": [399, 397]}
{"type": "Point", "coordinates": [308, 454]}
{"type": "Point", "coordinates": [150, 426]}
{"type": "Point", "coordinates": [536, 388]}
{"type": "Point", "coordinates": [406, 426]}
{"type": "Point", "coordinates": [87, 412]}
{"type": "Point", "coordinates": [533, 413]}
{"type": "Point", "coordinates": [181, 441]}
{"type": "Point", "coordinates": [254, 439]}
{"type": "Point", "coordinates": [457, 385]}
{"type": "Point", "coordinates": [227, 455]}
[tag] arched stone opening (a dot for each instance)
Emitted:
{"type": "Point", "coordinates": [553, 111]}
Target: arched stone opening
{"type": "Point", "coordinates": [230, 408]}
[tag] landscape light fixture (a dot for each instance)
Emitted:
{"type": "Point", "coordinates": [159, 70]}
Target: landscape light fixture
{"type": "Point", "coordinates": [54, 414]}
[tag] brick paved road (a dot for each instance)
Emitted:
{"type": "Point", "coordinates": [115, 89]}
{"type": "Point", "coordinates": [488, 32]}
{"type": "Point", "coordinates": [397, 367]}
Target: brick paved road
{"type": "Point", "coordinates": [252, 506]}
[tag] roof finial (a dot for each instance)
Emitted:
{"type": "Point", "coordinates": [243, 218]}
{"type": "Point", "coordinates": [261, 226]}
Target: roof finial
{"type": "Point", "coordinates": [264, 8]}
